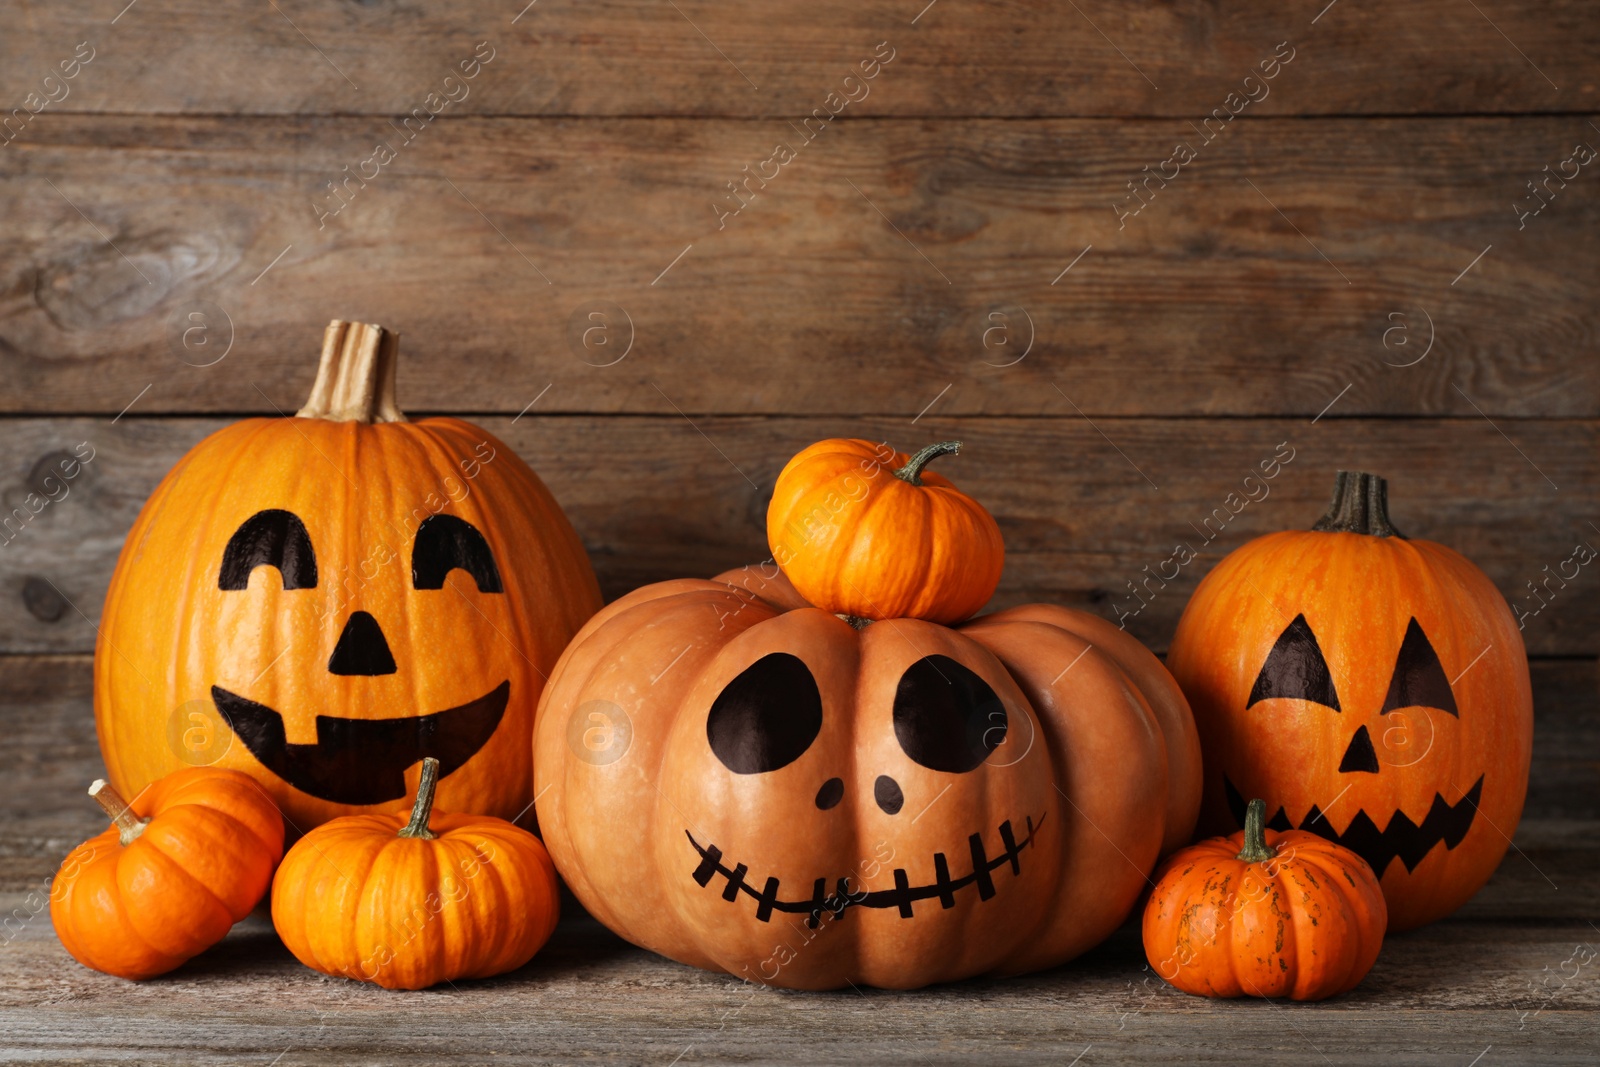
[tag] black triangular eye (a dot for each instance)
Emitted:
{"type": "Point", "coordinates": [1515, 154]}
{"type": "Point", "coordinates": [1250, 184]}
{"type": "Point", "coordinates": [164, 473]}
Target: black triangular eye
{"type": "Point", "coordinates": [766, 717]}
{"type": "Point", "coordinates": [946, 717]}
{"type": "Point", "coordinates": [444, 543]}
{"type": "Point", "coordinates": [1419, 679]}
{"type": "Point", "coordinates": [272, 538]}
{"type": "Point", "coordinates": [1295, 669]}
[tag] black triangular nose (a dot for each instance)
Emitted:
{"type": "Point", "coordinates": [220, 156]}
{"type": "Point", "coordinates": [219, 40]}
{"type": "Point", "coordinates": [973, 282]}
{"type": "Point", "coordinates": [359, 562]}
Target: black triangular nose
{"type": "Point", "coordinates": [1359, 756]}
{"type": "Point", "coordinates": [362, 649]}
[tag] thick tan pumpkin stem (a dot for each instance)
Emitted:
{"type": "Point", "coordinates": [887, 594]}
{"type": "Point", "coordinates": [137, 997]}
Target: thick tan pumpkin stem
{"type": "Point", "coordinates": [1256, 848]}
{"type": "Point", "coordinates": [355, 380]}
{"type": "Point", "coordinates": [129, 825]}
{"type": "Point", "coordinates": [912, 471]}
{"type": "Point", "coordinates": [423, 808]}
{"type": "Point", "coordinates": [1360, 505]}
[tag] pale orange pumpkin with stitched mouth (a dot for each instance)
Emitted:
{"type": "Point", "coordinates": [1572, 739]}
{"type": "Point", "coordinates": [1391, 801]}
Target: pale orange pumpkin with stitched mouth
{"type": "Point", "coordinates": [741, 781]}
{"type": "Point", "coordinates": [322, 601]}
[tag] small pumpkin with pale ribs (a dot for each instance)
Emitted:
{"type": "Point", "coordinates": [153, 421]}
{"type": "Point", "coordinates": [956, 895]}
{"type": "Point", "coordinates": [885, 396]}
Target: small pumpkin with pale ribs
{"type": "Point", "coordinates": [411, 901]}
{"type": "Point", "coordinates": [1265, 914]}
{"type": "Point", "coordinates": [188, 858]}
{"type": "Point", "coordinates": [869, 532]}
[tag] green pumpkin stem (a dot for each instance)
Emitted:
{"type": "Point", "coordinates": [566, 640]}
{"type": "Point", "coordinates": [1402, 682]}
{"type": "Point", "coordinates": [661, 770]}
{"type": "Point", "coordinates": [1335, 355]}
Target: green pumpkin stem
{"type": "Point", "coordinates": [129, 825]}
{"type": "Point", "coordinates": [1360, 505]}
{"type": "Point", "coordinates": [1256, 848]}
{"type": "Point", "coordinates": [912, 471]}
{"type": "Point", "coordinates": [423, 808]}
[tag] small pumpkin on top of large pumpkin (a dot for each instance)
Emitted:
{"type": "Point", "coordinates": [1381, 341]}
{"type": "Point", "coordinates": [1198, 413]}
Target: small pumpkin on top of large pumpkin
{"type": "Point", "coordinates": [866, 531]}
{"type": "Point", "coordinates": [744, 780]}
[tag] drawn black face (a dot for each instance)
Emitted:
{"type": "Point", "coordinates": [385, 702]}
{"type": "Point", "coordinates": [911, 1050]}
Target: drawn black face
{"type": "Point", "coordinates": [946, 719]}
{"type": "Point", "coordinates": [360, 761]}
{"type": "Point", "coordinates": [1295, 669]}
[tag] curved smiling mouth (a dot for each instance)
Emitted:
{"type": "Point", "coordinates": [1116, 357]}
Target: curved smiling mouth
{"type": "Point", "coordinates": [363, 761]}
{"type": "Point", "coordinates": [1402, 839]}
{"type": "Point", "coordinates": [901, 897]}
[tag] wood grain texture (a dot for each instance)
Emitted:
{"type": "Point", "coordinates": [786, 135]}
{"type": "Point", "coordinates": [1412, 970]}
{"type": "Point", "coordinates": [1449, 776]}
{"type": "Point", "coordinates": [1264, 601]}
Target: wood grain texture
{"type": "Point", "coordinates": [1502, 972]}
{"type": "Point", "coordinates": [700, 58]}
{"type": "Point", "coordinates": [888, 260]}
{"type": "Point", "coordinates": [1084, 506]}
{"type": "Point", "coordinates": [1436, 996]}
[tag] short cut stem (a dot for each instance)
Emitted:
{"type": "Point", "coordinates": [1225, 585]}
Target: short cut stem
{"type": "Point", "coordinates": [1360, 505]}
{"type": "Point", "coordinates": [355, 378]}
{"type": "Point", "coordinates": [129, 825]}
{"type": "Point", "coordinates": [422, 810]}
{"type": "Point", "coordinates": [912, 471]}
{"type": "Point", "coordinates": [1256, 848]}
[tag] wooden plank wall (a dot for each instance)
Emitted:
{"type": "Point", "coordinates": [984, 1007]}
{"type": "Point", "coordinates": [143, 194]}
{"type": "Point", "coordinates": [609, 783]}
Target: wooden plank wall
{"type": "Point", "coordinates": [1345, 263]}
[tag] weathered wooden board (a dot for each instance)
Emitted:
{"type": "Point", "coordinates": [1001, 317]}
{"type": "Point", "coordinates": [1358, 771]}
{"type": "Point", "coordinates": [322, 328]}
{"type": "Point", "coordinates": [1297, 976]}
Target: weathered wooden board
{"type": "Point", "coordinates": [1508, 971]}
{"type": "Point", "coordinates": [1085, 506]}
{"type": "Point", "coordinates": [892, 266]}
{"type": "Point", "coordinates": [1442, 995]}
{"type": "Point", "coordinates": [699, 58]}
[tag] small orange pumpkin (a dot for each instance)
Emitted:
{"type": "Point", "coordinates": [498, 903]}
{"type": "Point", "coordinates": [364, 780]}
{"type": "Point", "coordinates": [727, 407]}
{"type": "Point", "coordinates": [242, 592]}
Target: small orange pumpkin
{"type": "Point", "coordinates": [185, 861]}
{"type": "Point", "coordinates": [863, 530]}
{"type": "Point", "coordinates": [411, 903]}
{"type": "Point", "coordinates": [1290, 915]}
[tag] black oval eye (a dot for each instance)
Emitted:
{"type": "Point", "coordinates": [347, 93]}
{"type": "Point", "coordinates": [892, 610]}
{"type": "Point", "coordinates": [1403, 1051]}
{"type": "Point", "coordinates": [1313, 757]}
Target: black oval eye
{"type": "Point", "coordinates": [444, 543]}
{"type": "Point", "coordinates": [766, 717]}
{"type": "Point", "coordinates": [271, 538]}
{"type": "Point", "coordinates": [946, 717]}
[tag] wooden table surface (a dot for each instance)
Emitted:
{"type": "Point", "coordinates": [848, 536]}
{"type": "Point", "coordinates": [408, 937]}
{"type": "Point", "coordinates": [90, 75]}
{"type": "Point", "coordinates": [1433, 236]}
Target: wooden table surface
{"type": "Point", "coordinates": [1371, 262]}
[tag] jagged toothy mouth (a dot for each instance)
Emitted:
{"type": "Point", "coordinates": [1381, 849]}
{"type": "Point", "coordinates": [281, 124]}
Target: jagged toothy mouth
{"type": "Point", "coordinates": [363, 761]}
{"type": "Point", "coordinates": [902, 897]}
{"type": "Point", "coordinates": [1402, 839]}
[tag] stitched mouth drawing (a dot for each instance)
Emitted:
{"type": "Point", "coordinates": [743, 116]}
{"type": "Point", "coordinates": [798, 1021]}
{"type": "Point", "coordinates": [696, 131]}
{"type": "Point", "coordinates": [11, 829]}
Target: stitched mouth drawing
{"type": "Point", "coordinates": [1402, 839]}
{"type": "Point", "coordinates": [363, 761]}
{"type": "Point", "coordinates": [901, 897]}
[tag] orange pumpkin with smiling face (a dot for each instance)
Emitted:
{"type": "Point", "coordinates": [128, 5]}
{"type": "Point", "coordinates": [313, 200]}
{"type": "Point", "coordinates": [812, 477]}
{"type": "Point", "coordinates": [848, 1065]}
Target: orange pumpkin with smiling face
{"type": "Point", "coordinates": [1373, 690]}
{"type": "Point", "coordinates": [325, 600]}
{"type": "Point", "coordinates": [741, 781]}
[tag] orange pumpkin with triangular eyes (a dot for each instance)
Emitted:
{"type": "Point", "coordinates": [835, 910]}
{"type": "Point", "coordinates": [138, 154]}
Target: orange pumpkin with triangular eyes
{"type": "Point", "coordinates": [1373, 690]}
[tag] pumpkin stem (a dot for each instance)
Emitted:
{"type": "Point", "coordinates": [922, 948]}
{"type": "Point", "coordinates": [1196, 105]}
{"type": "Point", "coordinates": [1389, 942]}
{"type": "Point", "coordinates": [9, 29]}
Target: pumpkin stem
{"type": "Point", "coordinates": [1360, 505]}
{"type": "Point", "coordinates": [1256, 848]}
{"type": "Point", "coordinates": [129, 825]}
{"type": "Point", "coordinates": [423, 808]}
{"type": "Point", "coordinates": [912, 471]}
{"type": "Point", "coordinates": [355, 379]}
{"type": "Point", "coordinates": [856, 621]}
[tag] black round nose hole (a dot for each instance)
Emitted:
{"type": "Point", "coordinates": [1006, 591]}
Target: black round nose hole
{"type": "Point", "coordinates": [887, 792]}
{"type": "Point", "coordinates": [831, 793]}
